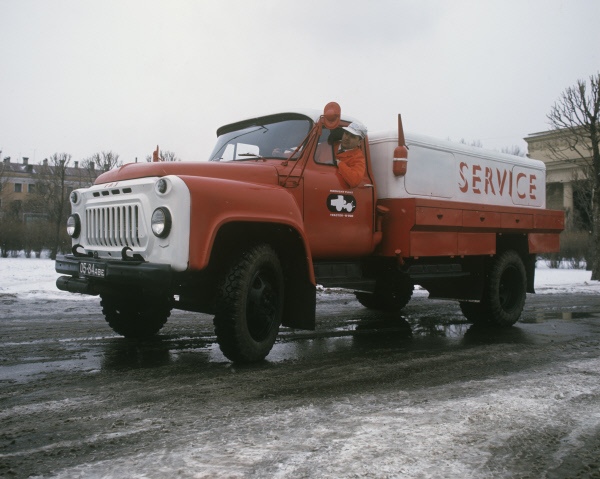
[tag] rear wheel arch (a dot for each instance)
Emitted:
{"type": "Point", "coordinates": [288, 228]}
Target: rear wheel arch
{"type": "Point", "coordinates": [520, 244]}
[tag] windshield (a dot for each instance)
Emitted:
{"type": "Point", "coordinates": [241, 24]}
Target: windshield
{"type": "Point", "coordinates": [268, 137]}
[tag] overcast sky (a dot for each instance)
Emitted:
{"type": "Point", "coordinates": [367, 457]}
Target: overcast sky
{"type": "Point", "coordinates": [81, 76]}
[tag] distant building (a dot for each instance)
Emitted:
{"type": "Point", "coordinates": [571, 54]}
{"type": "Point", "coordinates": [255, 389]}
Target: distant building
{"type": "Point", "coordinates": [563, 168]}
{"type": "Point", "coordinates": [19, 180]}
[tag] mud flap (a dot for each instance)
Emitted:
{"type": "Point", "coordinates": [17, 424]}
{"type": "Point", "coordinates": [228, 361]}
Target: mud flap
{"type": "Point", "coordinates": [299, 310]}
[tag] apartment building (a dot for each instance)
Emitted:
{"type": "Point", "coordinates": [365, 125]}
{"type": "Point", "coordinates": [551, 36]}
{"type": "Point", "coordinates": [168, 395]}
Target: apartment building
{"type": "Point", "coordinates": [19, 180]}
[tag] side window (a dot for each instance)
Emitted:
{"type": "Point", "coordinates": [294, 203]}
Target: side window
{"type": "Point", "coordinates": [228, 152]}
{"type": "Point", "coordinates": [423, 161]}
{"type": "Point", "coordinates": [328, 142]}
{"type": "Point", "coordinates": [239, 151]}
{"type": "Point", "coordinates": [245, 150]}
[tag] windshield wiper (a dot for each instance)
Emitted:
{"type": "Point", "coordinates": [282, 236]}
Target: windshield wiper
{"type": "Point", "coordinates": [250, 156]}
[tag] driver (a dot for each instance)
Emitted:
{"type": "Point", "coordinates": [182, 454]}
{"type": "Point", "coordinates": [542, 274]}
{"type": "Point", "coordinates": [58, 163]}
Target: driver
{"type": "Point", "coordinates": [350, 159]}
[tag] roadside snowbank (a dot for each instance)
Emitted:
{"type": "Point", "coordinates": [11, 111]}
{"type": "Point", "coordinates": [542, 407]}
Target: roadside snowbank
{"type": "Point", "coordinates": [36, 278]}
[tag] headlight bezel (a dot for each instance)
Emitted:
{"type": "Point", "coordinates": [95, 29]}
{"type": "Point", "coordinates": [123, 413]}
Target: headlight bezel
{"type": "Point", "coordinates": [166, 222]}
{"type": "Point", "coordinates": [74, 230]}
{"type": "Point", "coordinates": [162, 186]}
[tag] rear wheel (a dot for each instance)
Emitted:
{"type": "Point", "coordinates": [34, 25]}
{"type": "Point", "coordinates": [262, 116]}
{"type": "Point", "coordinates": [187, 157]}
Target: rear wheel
{"type": "Point", "coordinates": [505, 289]}
{"type": "Point", "coordinates": [474, 312]}
{"type": "Point", "coordinates": [504, 294]}
{"type": "Point", "coordinates": [135, 317]}
{"type": "Point", "coordinates": [250, 305]}
{"type": "Point", "coordinates": [391, 294]}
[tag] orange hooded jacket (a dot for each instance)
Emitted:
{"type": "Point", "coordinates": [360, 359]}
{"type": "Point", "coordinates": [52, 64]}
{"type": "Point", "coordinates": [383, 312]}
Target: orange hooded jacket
{"type": "Point", "coordinates": [351, 166]}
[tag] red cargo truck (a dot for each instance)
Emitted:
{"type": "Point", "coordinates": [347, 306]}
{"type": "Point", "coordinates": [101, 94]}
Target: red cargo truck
{"type": "Point", "coordinates": [248, 235]}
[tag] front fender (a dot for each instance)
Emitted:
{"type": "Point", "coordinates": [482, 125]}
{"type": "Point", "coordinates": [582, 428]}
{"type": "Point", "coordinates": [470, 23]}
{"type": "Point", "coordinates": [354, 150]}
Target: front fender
{"type": "Point", "coordinates": [216, 202]}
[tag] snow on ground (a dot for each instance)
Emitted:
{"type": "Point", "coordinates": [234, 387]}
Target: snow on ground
{"type": "Point", "coordinates": [480, 428]}
{"type": "Point", "coordinates": [36, 278]}
{"type": "Point", "coordinates": [391, 434]}
{"type": "Point", "coordinates": [561, 280]}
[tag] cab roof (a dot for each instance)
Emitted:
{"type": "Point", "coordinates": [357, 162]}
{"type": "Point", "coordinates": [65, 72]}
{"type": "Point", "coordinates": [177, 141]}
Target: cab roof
{"type": "Point", "coordinates": [311, 114]}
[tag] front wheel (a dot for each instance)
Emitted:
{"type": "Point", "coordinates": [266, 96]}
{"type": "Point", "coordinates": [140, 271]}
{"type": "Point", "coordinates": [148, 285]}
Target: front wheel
{"type": "Point", "coordinates": [250, 305]}
{"type": "Point", "coordinates": [136, 317]}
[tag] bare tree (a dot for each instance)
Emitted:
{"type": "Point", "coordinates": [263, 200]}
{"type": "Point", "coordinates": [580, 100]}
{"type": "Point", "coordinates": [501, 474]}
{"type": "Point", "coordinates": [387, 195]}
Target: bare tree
{"type": "Point", "coordinates": [576, 117]}
{"type": "Point", "coordinates": [170, 156]}
{"type": "Point", "coordinates": [165, 155]}
{"type": "Point", "coordinates": [475, 143]}
{"type": "Point", "coordinates": [583, 194]}
{"type": "Point", "coordinates": [100, 162]}
{"type": "Point", "coordinates": [10, 212]}
{"type": "Point", "coordinates": [514, 150]}
{"type": "Point", "coordinates": [53, 191]}
{"type": "Point", "coordinates": [5, 221]}
{"type": "Point", "coordinates": [4, 174]}
{"type": "Point", "coordinates": [104, 161]}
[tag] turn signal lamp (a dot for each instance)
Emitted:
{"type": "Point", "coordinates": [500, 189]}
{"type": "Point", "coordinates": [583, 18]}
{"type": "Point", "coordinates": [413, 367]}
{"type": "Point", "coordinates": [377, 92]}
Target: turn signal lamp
{"type": "Point", "coordinates": [400, 162]}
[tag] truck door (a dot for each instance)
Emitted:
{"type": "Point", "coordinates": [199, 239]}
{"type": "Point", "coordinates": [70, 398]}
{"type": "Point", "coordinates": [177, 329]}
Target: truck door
{"type": "Point", "coordinates": [338, 220]}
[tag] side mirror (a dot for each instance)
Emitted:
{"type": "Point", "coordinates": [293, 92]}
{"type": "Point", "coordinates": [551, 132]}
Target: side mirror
{"type": "Point", "coordinates": [331, 115]}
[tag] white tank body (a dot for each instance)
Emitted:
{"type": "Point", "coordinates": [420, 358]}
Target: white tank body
{"type": "Point", "coordinates": [450, 171]}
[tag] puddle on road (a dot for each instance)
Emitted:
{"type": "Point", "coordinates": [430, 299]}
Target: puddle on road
{"type": "Point", "coordinates": [198, 352]}
{"type": "Point", "coordinates": [544, 316]}
{"type": "Point", "coordinates": [31, 370]}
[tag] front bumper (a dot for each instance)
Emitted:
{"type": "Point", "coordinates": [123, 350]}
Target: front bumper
{"type": "Point", "coordinates": [118, 274]}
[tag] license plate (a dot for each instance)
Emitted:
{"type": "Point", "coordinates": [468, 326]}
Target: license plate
{"type": "Point", "coordinates": [95, 270]}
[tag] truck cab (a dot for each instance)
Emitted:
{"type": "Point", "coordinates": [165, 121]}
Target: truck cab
{"type": "Point", "coordinates": [308, 173]}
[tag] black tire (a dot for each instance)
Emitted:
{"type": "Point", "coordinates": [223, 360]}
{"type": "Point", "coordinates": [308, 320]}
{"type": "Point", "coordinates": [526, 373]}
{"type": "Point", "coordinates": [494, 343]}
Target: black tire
{"type": "Point", "coordinates": [135, 318]}
{"type": "Point", "coordinates": [391, 294]}
{"type": "Point", "coordinates": [505, 289]}
{"type": "Point", "coordinates": [473, 312]}
{"type": "Point", "coordinates": [368, 300]}
{"type": "Point", "coordinates": [250, 306]}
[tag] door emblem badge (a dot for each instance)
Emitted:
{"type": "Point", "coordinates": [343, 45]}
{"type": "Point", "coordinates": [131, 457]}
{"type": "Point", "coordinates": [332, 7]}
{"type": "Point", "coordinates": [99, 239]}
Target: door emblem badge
{"type": "Point", "coordinates": [341, 203]}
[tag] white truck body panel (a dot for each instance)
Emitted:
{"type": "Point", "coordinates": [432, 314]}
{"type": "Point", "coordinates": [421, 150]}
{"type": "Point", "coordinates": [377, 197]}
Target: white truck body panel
{"type": "Point", "coordinates": [117, 215]}
{"type": "Point", "coordinates": [449, 171]}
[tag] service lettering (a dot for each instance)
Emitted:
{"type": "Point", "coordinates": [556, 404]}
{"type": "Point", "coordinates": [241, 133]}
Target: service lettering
{"type": "Point", "coordinates": [495, 181]}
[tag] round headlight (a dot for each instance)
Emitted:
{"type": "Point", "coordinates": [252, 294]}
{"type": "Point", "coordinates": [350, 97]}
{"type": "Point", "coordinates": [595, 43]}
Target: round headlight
{"type": "Point", "coordinates": [162, 186]}
{"type": "Point", "coordinates": [73, 226]}
{"type": "Point", "coordinates": [161, 222]}
{"type": "Point", "coordinates": [74, 197]}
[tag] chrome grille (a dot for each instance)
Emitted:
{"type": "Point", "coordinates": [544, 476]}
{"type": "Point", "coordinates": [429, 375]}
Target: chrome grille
{"type": "Point", "coordinates": [115, 226]}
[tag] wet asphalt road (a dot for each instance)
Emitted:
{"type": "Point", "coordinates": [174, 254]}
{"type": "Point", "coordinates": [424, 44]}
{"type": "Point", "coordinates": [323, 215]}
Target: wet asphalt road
{"type": "Point", "coordinates": [78, 401]}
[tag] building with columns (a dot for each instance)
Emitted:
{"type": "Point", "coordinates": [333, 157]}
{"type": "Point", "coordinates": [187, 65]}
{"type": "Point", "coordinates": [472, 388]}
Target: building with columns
{"type": "Point", "coordinates": [564, 167]}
